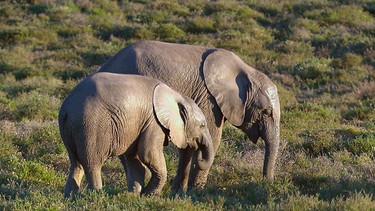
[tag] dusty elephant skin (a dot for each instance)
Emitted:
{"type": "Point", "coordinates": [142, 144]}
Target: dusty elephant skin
{"type": "Point", "coordinates": [132, 117]}
{"type": "Point", "coordinates": [222, 85]}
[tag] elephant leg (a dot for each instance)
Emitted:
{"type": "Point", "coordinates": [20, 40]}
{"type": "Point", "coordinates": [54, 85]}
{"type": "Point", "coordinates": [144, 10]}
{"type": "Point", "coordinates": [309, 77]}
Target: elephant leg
{"type": "Point", "coordinates": [181, 180]}
{"type": "Point", "coordinates": [135, 173]}
{"type": "Point", "coordinates": [123, 162]}
{"type": "Point", "coordinates": [74, 179]}
{"type": "Point", "coordinates": [94, 177]}
{"type": "Point", "coordinates": [155, 161]}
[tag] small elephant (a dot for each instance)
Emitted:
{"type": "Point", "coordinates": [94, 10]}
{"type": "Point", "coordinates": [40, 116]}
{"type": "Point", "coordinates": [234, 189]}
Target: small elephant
{"type": "Point", "coordinates": [132, 117]}
{"type": "Point", "coordinates": [221, 84]}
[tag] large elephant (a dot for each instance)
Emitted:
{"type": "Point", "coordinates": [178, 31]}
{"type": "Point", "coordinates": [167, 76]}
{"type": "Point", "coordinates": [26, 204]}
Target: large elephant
{"type": "Point", "coordinates": [133, 116]}
{"type": "Point", "coordinates": [222, 85]}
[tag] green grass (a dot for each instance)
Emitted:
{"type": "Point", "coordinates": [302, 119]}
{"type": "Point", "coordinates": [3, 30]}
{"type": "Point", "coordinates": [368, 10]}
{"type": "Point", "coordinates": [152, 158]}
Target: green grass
{"type": "Point", "coordinates": [321, 59]}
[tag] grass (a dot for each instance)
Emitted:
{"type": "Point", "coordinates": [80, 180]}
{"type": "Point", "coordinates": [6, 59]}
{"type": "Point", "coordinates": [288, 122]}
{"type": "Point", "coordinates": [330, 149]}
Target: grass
{"type": "Point", "coordinates": [321, 59]}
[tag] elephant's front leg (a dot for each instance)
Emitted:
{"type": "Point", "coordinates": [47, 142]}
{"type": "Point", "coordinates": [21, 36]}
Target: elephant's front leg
{"type": "Point", "coordinates": [181, 180]}
{"type": "Point", "coordinates": [155, 161]}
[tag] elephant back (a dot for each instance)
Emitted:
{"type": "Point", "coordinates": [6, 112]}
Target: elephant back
{"type": "Point", "coordinates": [176, 65]}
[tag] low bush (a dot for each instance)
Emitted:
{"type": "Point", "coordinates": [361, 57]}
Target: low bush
{"type": "Point", "coordinates": [170, 32]}
{"type": "Point", "coordinates": [364, 144]}
{"type": "Point", "coordinates": [37, 106]}
{"type": "Point", "coordinates": [314, 72]}
{"type": "Point", "coordinates": [200, 25]}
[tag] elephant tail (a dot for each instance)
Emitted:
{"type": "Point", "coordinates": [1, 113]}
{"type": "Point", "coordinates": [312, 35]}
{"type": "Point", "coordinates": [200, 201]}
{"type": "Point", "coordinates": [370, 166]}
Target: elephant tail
{"type": "Point", "coordinates": [66, 133]}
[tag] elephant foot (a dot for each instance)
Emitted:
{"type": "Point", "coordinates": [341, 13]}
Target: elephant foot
{"type": "Point", "coordinates": [69, 189]}
{"type": "Point", "coordinates": [198, 179]}
{"type": "Point", "coordinates": [178, 190]}
{"type": "Point", "coordinates": [151, 194]}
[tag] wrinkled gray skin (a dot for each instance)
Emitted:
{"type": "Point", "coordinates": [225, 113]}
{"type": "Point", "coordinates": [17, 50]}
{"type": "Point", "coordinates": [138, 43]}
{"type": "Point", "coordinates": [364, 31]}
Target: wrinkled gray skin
{"type": "Point", "coordinates": [222, 85]}
{"type": "Point", "coordinates": [130, 116]}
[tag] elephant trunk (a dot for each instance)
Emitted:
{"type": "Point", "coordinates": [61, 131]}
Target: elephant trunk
{"type": "Point", "coordinates": [206, 153]}
{"type": "Point", "coordinates": [272, 141]}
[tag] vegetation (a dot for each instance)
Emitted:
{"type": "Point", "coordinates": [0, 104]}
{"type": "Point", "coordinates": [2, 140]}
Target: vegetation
{"type": "Point", "coordinates": [320, 54]}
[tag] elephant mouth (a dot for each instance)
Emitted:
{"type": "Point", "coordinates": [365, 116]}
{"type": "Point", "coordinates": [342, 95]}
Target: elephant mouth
{"type": "Point", "coordinates": [194, 144]}
{"type": "Point", "coordinates": [253, 138]}
{"type": "Point", "coordinates": [252, 132]}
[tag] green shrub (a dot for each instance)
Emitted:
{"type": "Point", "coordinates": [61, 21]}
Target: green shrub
{"type": "Point", "coordinates": [361, 110]}
{"type": "Point", "coordinates": [9, 11]}
{"type": "Point", "coordinates": [125, 32]}
{"type": "Point", "coordinates": [161, 17]}
{"type": "Point", "coordinates": [219, 6]}
{"type": "Point", "coordinates": [319, 142]}
{"type": "Point", "coordinates": [38, 8]}
{"type": "Point", "coordinates": [200, 25]}
{"type": "Point", "coordinates": [339, 15]}
{"type": "Point", "coordinates": [169, 32]}
{"type": "Point", "coordinates": [48, 86]}
{"type": "Point", "coordinates": [143, 33]}
{"type": "Point", "coordinates": [6, 107]}
{"type": "Point", "coordinates": [67, 31]}
{"type": "Point", "coordinates": [7, 134]}
{"type": "Point", "coordinates": [246, 13]}
{"type": "Point", "coordinates": [313, 71]}
{"type": "Point", "coordinates": [73, 72]}
{"type": "Point", "coordinates": [35, 105]}
{"type": "Point", "coordinates": [309, 126]}
{"type": "Point", "coordinates": [295, 54]}
{"type": "Point", "coordinates": [19, 61]}
{"type": "Point", "coordinates": [58, 13]}
{"type": "Point", "coordinates": [37, 173]}
{"type": "Point", "coordinates": [351, 60]}
{"type": "Point", "coordinates": [145, 18]}
{"type": "Point", "coordinates": [364, 144]}
{"type": "Point", "coordinates": [42, 141]}
{"type": "Point", "coordinates": [181, 11]}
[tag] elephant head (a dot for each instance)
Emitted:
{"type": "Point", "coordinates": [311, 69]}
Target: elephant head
{"type": "Point", "coordinates": [186, 123]}
{"type": "Point", "coordinates": [248, 99]}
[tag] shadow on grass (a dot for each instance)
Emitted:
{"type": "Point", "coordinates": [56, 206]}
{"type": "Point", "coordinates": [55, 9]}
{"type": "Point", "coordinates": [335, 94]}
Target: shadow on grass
{"type": "Point", "coordinates": [328, 188]}
{"type": "Point", "coordinates": [244, 195]}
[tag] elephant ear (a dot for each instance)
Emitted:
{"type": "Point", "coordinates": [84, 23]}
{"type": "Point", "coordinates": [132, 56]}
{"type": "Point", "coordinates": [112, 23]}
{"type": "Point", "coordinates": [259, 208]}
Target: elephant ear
{"type": "Point", "coordinates": [167, 106]}
{"type": "Point", "coordinates": [228, 83]}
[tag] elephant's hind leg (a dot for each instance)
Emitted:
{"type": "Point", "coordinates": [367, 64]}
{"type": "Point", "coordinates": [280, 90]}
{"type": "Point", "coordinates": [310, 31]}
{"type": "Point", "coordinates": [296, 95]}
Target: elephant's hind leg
{"type": "Point", "coordinates": [74, 179]}
{"type": "Point", "coordinates": [135, 173]}
{"type": "Point", "coordinates": [94, 176]}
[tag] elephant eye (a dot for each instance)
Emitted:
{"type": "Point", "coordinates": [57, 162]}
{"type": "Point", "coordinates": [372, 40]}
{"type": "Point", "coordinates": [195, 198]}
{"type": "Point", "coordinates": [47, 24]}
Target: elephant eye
{"type": "Point", "coordinates": [202, 125]}
{"type": "Point", "coordinates": [267, 112]}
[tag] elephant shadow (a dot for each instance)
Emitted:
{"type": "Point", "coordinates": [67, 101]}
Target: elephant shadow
{"type": "Point", "coordinates": [260, 193]}
{"type": "Point", "coordinates": [246, 194]}
{"type": "Point", "coordinates": [329, 188]}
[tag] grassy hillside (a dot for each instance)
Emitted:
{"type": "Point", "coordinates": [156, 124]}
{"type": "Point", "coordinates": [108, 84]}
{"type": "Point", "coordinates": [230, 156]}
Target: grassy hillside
{"type": "Point", "coordinates": [321, 54]}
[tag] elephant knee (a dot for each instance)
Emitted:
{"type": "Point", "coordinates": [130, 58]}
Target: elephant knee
{"type": "Point", "coordinates": [162, 177]}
